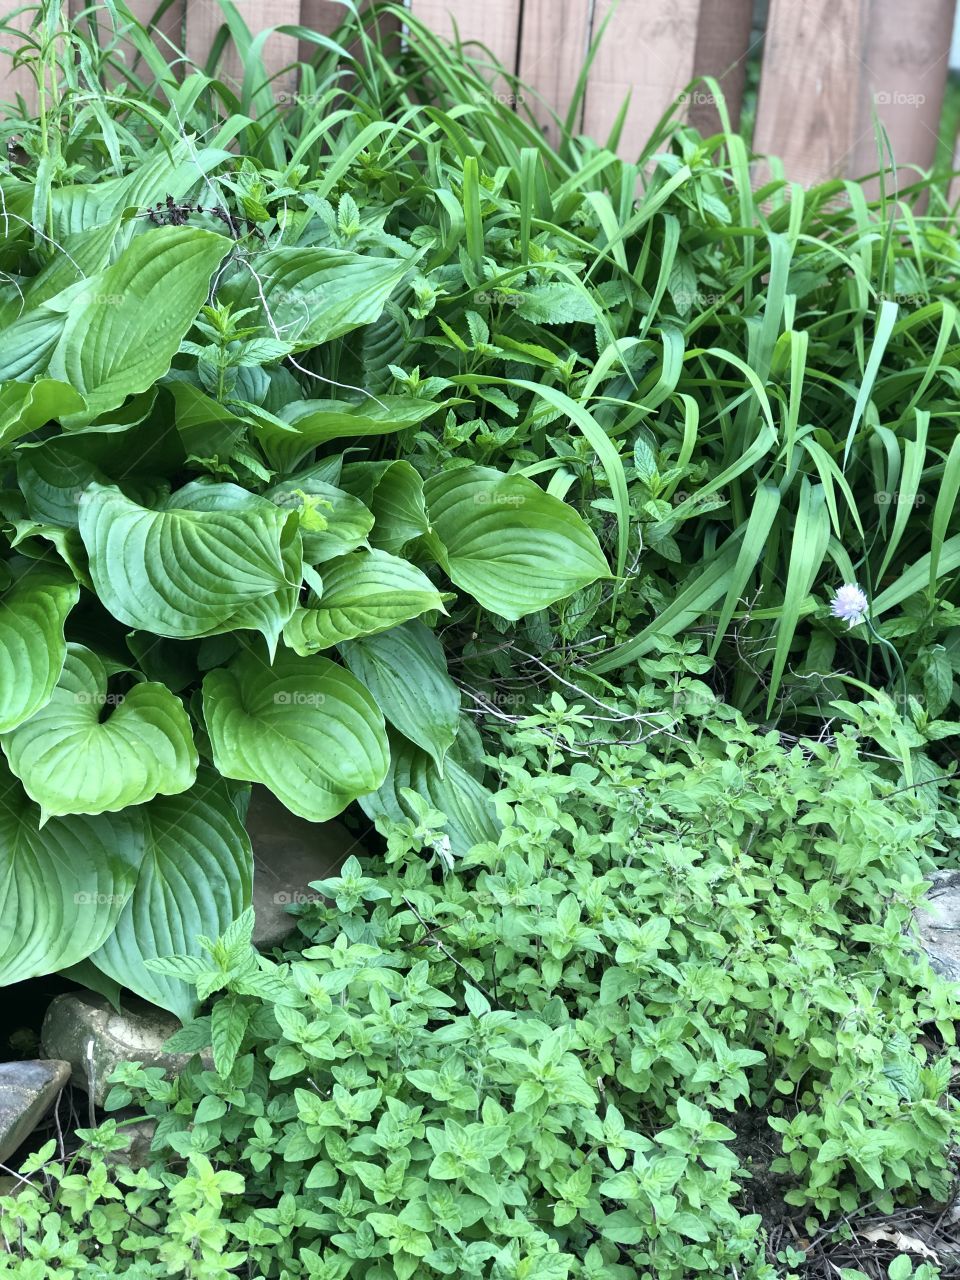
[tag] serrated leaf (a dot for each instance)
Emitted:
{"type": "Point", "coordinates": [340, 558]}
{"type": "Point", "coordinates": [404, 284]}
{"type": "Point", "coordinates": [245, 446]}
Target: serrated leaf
{"type": "Point", "coordinates": [194, 880]}
{"type": "Point", "coordinates": [512, 546]}
{"type": "Point", "coordinates": [71, 760]}
{"type": "Point", "coordinates": [304, 727]}
{"type": "Point", "coordinates": [363, 593]}
{"type": "Point", "coordinates": [228, 1024]}
{"type": "Point", "coordinates": [406, 672]}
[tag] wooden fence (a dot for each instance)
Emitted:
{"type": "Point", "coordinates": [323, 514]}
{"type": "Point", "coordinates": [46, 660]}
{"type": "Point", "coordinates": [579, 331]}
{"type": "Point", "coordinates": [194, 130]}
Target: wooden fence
{"type": "Point", "coordinates": [828, 65]}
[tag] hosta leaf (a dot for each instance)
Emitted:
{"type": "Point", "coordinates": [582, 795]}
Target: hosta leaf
{"type": "Point", "coordinates": [305, 424]}
{"type": "Point", "coordinates": [315, 295]}
{"type": "Point", "coordinates": [363, 593]}
{"type": "Point", "coordinates": [183, 573]}
{"type": "Point", "coordinates": [306, 728]}
{"type": "Point", "coordinates": [398, 508]}
{"type": "Point", "coordinates": [26, 344]}
{"type": "Point", "coordinates": [466, 803]}
{"type": "Point", "coordinates": [331, 522]}
{"type": "Point", "coordinates": [125, 333]}
{"type": "Point", "coordinates": [52, 479]}
{"type": "Point", "coordinates": [406, 672]}
{"type": "Point", "coordinates": [28, 406]}
{"type": "Point", "coordinates": [62, 887]}
{"type": "Point", "coordinates": [514, 548]}
{"type": "Point", "coordinates": [195, 879]}
{"type": "Point", "coordinates": [32, 645]}
{"type": "Point", "coordinates": [71, 762]}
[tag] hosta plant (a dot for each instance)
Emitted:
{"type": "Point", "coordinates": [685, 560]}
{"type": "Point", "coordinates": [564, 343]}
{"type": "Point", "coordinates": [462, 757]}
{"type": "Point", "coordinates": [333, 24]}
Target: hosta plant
{"type": "Point", "coordinates": [217, 566]}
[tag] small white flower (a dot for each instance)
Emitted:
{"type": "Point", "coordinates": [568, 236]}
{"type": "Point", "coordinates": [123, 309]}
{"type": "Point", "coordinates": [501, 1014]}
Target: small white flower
{"type": "Point", "coordinates": [849, 604]}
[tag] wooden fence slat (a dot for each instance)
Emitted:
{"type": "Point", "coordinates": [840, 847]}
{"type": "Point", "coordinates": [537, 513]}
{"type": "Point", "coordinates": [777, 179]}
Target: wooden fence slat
{"type": "Point", "coordinates": [554, 42]}
{"type": "Point", "coordinates": [168, 32]}
{"type": "Point", "coordinates": [647, 51]}
{"type": "Point", "coordinates": [723, 43]}
{"type": "Point", "coordinates": [495, 23]}
{"type": "Point", "coordinates": [904, 73]}
{"type": "Point", "coordinates": [809, 86]}
{"type": "Point", "coordinates": [205, 18]}
{"type": "Point", "coordinates": [19, 81]}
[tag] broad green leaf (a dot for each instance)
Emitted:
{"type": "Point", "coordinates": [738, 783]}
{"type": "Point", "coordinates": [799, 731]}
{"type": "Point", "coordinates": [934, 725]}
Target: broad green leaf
{"type": "Point", "coordinates": [514, 548]}
{"type": "Point", "coordinates": [72, 759]}
{"type": "Point", "coordinates": [185, 573]}
{"type": "Point", "coordinates": [195, 880]}
{"type": "Point", "coordinates": [28, 406]}
{"type": "Point", "coordinates": [27, 344]}
{"type": "Point", "coordinates": [314, 295]}
{"type": "Point", "coordinates": [332, 522]}
{"type": "Point", "coordinates": [305, 424]}
{"type": "Point", "coordinates": [398, 508]}
{"type": "Point", "coordinates": [124, 329]}
{"type": "Point", "coordinates": [52, 479]}
{"type": "Point", "coordinates": [465, 802]}
{"type": "Point", "coordinates": [32, 644]}
{"type": "Point", "coordinates": [62, 887]}
{"type": "Point", "coordinates": [363, 593]}
{"type": "Point", "coordinates": [304, 727]}
{"type": "Point", "coordinates": [406, 672]}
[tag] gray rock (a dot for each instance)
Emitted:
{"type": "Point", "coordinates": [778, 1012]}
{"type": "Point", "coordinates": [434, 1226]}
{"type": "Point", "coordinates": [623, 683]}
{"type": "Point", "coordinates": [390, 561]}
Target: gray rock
{"type": "Point", "coordinates": [85, 1031]}
{"type": "Point", "coordinates": [138, 1136]}
{"type": "Point", "coordinates": [938, 927]}
{"type": "Point", "coordinates": [27, 1092]}
{"type": "Point", "coordinates": [288, 853]}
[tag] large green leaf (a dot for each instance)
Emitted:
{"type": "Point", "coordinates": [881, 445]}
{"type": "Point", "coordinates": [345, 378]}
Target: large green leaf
{"type": "Point", "coordinates": [303, 425]}
{"type": "Point", "coordinates": [52, 479]}
{"type": "Point", "coordinates": [363, 593]}
{"type": "Point", "coordinates": [465, 802]}
{"type": "Point", "coordinates": [331, 522]}
{"type": "Point", "coordinates": [406, 672]}
{"type": "Point", "coordinates": [28, 406]}
{"type": "Point", "coordinates": [195, 880]}
{"type": "Point", "coordinates": [32, 645]}
{"type": "Point", "coordinates": [125, 327]}
{"type": "Point", "coordinates": [62, 887]}
{"type": "Point", "coordinates": [304, 727]}
{"type": "Point", "coordinates": [513, 547]}
{"type": "Point", "coordinates": [71, 760]}
{"type": "Point", "coordinates": [314, 295]}
{"type": "Point", "coordinates": [181, 572]}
